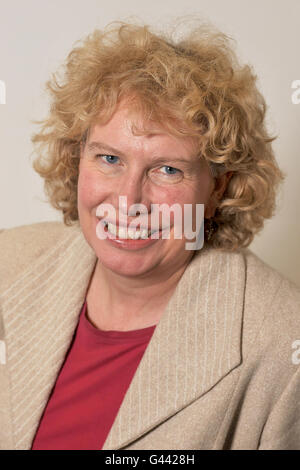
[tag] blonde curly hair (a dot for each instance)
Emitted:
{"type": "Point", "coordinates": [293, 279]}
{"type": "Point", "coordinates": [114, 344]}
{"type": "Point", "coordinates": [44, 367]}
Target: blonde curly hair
{"type": "Point", "coordinates": [192, 87]}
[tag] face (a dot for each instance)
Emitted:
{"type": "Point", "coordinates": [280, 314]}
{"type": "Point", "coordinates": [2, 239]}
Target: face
{"type": "Point", "coordinates": [145, 169]}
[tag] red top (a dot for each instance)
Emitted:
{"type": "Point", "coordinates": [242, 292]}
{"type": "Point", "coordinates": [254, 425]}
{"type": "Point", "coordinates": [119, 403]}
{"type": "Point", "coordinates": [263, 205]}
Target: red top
{"type": "Point", "coordinates": [90, 387]}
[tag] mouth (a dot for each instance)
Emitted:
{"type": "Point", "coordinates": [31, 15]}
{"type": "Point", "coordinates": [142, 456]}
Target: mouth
{"type": "Point", "coordinates": [129, 233]}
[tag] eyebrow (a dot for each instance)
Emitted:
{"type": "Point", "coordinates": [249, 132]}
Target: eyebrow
{"type": "Point", "coordinates": [107, 148]}
{"type": "Point", "coordinates": [102, 146]}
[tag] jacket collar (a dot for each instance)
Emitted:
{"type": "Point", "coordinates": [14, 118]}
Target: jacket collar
{"type": "Point", "coordinates": [196, 343]}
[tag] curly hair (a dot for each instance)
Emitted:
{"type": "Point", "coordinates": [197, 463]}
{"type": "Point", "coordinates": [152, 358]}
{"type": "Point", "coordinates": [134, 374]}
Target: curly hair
{"type": "Point", "coordinates": [194, 87]}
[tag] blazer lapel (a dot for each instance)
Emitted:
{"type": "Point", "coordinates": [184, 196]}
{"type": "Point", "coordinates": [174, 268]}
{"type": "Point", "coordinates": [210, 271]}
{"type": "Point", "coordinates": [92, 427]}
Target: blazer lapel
{"type": "Point", "coordinates": [40, 313]}
{"type": "Point", "coordinates": [196, 343]}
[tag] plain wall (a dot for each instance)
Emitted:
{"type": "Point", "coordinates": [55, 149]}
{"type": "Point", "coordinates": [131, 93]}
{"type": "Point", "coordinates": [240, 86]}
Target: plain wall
{"type": "Point", "coordinates": [36, 36]}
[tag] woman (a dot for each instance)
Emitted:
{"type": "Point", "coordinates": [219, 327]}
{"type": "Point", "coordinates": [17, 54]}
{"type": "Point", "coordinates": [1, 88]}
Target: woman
{"type": "Point", "coordinates": [115, 339]}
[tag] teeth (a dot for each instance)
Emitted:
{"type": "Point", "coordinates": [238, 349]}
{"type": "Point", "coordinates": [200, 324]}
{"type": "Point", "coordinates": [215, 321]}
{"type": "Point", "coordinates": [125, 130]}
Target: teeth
{"type": "Point", "coordinates": [145, 233]}
{"type": "Point", "coordinates": [130, 233]}
{"type": "Point", "coordinates": [112, 229]}
{"type": "Point", "coordinates": [122, 233]}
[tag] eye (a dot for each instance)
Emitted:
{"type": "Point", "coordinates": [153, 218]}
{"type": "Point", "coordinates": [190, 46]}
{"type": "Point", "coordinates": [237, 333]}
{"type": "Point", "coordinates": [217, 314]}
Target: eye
{"type": "Point", "coordinates": [170, 171]}
{"type": "Point", "coordinates": [109, 159]}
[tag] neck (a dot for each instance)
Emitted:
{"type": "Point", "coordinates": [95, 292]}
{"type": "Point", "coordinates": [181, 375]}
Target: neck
{"type": "Point", "coordinates": [126, 301]}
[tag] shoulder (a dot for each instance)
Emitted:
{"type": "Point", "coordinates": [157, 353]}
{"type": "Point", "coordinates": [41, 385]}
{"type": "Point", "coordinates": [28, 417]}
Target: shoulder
{"type": "Point", "coordinates": [272, 315]}
{"type": "Point", "coordinates": [271, 308]}
{"type": "Point", "coordinates": [271, 324]}
{"type": "Point", "coordinates": [21, 245]}
{"type": "Point", "coordinates": [269, 288]}
{"type": "Point", "coordinates": [263, 284]}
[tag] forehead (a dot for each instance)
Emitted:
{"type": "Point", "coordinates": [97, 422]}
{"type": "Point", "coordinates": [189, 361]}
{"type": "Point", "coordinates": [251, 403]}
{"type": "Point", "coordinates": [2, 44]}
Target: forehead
{"type": "Point", "coordinates": [127, 130]}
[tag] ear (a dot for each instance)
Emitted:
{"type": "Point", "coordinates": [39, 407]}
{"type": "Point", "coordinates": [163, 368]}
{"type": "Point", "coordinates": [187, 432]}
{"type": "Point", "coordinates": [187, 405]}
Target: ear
{"type": "Point", "coordinates": [221, 184]}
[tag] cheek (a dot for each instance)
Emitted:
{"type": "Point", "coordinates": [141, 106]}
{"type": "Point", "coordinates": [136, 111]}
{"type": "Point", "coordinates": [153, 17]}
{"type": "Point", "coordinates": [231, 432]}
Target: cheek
{"type": "Point", "coordinates": [190, 194]}
{"type": "Point", "coordinates": [171, 195]}
{"type": "Point", "coordinates": [89, 189]}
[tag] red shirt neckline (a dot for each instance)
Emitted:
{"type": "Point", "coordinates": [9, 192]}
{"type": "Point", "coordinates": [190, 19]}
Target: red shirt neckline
{"type": "Point", "coordinates": [115, 334]}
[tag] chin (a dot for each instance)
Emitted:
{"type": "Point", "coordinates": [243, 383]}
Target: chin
{"type": "Point", "coordinates": [127, 266]}
{"type": "Point", "coordinates": [124, 263]}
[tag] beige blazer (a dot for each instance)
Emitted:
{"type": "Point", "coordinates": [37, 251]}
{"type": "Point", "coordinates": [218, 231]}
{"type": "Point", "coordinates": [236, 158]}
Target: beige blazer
{"type": "Point", "coordinates": [221, 370]}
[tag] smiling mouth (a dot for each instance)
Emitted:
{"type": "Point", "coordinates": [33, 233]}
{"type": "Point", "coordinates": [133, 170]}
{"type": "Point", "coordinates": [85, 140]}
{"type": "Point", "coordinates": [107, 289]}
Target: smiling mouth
{"type": "Point", "coordinates": [128, 233]}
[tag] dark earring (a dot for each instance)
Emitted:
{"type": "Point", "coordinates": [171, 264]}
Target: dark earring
{"type": "Point", "coordinates": [209, 228]}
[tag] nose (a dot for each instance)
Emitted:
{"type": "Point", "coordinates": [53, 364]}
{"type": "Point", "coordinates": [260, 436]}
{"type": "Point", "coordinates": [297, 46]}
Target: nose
{"type": "Point", "coordinates": [132, 196]}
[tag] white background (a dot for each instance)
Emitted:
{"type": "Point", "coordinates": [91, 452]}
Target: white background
{"type": "Point", "coordinates": [36, 36]}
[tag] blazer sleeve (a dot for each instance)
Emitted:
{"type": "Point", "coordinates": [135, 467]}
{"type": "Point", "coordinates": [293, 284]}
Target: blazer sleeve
{"type": "Point", "coordinates": [282, 428]}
